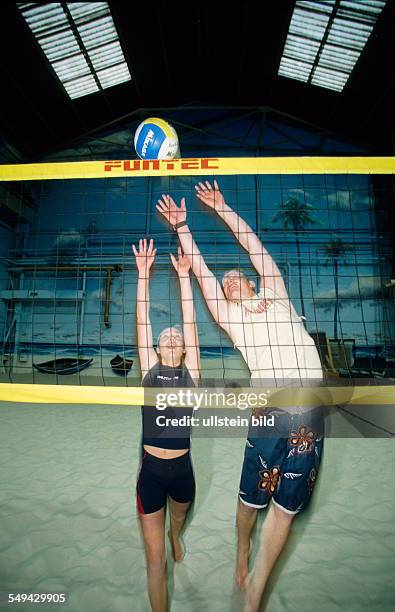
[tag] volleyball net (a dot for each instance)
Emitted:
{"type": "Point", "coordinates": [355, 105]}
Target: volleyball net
{"type": "Point", "coordinates": [68, 274]}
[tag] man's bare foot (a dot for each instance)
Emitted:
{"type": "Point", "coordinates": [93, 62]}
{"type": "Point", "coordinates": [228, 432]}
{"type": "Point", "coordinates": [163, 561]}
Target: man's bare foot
{"type": "Point", "coordinates": [177, 547]}
{"type": "Point", "coordinates": [252, 595]}
{"type": "Point", "coordinates": [241, 572]}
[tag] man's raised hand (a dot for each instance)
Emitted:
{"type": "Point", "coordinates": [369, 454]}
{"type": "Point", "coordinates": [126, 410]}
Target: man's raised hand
{"type": "Point", "coordinates": [172, 213]}
{"type": "Point", "coordinates": [211, 196]}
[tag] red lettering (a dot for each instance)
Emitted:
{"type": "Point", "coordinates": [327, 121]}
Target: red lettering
{"type": "Point", "coordinates": [170, 164]}
{"type": "Point", "coordinates": [108, 165]}
{"type": "Point", "coordinates": [135, 162]}
{"type": "Point", "coordinates": [204, 163]}
{"type": "Point", "coordinates": [154, 162]}
{"type": "Point", "coordinates": [134, 165]}
{"type": "Point", "coordinates": [190, 164]}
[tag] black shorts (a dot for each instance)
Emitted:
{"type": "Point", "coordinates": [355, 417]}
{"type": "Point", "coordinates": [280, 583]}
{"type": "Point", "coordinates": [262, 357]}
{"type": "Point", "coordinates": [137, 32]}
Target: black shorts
{"type": "Point", "coordinates": [159, 478]}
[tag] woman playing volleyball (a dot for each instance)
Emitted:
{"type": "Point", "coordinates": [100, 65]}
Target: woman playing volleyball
{"type": "Point", "coordinates": [166, 470]}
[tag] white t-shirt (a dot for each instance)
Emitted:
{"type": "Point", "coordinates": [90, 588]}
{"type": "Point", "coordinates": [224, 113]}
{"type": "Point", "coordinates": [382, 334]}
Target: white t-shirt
{"type": "Point", "coordinates": [272, 338]}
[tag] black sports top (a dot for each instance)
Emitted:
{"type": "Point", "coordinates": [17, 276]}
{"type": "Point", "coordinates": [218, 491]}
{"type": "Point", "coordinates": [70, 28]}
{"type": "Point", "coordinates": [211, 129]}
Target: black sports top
{"type": "Point", "coordinates": [161, 435]}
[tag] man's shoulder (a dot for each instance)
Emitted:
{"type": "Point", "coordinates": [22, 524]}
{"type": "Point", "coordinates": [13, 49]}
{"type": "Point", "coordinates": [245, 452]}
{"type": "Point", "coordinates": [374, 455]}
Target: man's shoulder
{"type": "Point", "coordinates": [266, 292]}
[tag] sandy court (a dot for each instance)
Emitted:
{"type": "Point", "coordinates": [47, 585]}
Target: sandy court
{"type": "Point", "coordinates": [69, 520]}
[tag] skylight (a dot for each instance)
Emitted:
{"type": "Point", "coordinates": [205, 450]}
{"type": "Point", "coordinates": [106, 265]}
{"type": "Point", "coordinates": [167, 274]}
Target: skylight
{"type": "Point", "coordinates": [326, 38]}
{"type": "Point", "coordinates": [80, 41]}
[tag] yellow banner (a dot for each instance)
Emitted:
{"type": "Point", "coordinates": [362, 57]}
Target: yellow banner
{"type": "Point", "coordinates": [136, 396]}
{"type": "Point", "coordinates": [70, 394]}
{"type": "Point", "coordinates": [205, 166]}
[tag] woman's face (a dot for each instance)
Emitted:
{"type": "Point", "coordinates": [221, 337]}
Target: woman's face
{"type": "Point", "coordinates": [171, 344]}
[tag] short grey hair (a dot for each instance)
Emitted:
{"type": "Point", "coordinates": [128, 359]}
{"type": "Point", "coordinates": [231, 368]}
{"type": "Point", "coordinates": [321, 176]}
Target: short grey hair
{"type": "Point", "coordinates": [240, 273]}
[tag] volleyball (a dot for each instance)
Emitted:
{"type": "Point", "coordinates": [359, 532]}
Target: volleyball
{"type": "Point", "coordinates": [156, 139]}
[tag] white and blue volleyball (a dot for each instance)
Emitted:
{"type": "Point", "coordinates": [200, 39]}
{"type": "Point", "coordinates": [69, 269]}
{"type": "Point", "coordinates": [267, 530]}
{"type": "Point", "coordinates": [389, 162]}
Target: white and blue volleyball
{"type": "Point", "coordinates": [156, 139]}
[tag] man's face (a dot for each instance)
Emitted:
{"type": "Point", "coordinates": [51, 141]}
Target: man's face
{"type": "Point", "coordinates": [171, 343]}
{"type": "Point", "coordinates": [236, 286]}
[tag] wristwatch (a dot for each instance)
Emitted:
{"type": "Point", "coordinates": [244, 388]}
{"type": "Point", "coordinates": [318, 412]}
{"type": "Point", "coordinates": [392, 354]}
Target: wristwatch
{"type": "Point", "coordinates": [180, 224]}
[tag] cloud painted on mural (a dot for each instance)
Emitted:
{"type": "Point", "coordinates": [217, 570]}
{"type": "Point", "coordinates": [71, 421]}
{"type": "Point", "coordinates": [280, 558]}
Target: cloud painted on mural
{"type": "Point", "coordinates": [116, 298]}
{"type": "Point", "coordinates": [96, 295]}
{"type": "Point", "coordinates": [65, 247]}
{"type": "Point", "coordinates": [349, 200]}
{"type": "Point", "coordinates": [303, 195]}
{"type": "Point", "coordinates": [362, 288]}
{"type": "Point", "coordinates": [341, 199]}
{"type": "Point", "coordinates": [160, 309]}
{"type": "Point", "coordinates": [69, 239]}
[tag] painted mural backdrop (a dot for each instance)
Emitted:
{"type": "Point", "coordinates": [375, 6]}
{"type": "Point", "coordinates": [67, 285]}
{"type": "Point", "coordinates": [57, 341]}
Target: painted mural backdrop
{"type": "Point", "coordinates": [323, 232]}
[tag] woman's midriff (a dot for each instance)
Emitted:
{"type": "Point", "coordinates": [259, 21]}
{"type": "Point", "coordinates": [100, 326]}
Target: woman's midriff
{"type": "Point", "coordinates": [165, 453]}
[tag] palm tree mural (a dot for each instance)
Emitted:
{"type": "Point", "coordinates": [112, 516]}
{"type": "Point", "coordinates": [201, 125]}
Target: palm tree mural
{"type": "Point", "coordinates": [296, 215]}
{"type": "Point", "coordinates": [335, 252]}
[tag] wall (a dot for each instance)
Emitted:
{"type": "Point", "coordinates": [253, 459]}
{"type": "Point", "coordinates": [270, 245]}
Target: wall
{"type": "Point", "coordinates": [96, 221]}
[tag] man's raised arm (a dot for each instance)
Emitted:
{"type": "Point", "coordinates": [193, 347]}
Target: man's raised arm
{"type": "Point", "coordinates": [262, 261]}
{"type": "Point", "coordinates": [210, 286]}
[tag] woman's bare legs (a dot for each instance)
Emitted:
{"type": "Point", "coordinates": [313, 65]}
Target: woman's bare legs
{"type": "Point", "coordinates": [178, 513]}
{"type": "Point", "coordinates": [153, 527]}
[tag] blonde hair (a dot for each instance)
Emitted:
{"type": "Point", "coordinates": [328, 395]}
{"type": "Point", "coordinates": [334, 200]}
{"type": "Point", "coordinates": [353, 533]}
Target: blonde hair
{"type": "Point", "coordinates": [176, 327]}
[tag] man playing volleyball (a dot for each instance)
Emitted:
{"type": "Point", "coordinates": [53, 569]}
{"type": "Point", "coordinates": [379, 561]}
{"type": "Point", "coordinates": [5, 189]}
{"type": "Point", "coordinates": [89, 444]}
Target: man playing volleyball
{"type": "Point", "coordinates": [278, 351]}
{"type": "Point", "coordinates": [166, 470]}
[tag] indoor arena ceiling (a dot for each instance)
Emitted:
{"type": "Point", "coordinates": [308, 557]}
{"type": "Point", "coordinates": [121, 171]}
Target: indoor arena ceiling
{"type": "Point", "coordinates": [195, 54]}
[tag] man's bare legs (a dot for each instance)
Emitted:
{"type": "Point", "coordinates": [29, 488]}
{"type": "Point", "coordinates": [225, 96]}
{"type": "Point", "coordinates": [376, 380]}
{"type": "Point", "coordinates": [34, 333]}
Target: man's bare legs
{"type": "Point", "coordinates": [178, 513]}
{"type": "Point", "coordinates": [246, 517]}
{"type": "Point", "coordinates": [153, 526]}
{"type": "Point", "coordinates": [274, 534]}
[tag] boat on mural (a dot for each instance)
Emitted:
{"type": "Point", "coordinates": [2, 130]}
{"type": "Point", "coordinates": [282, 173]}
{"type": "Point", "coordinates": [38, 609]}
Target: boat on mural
{"type": "Point", "coordinates": [120, 365]}
{"type": "Point", "coordinates": [65, 365]}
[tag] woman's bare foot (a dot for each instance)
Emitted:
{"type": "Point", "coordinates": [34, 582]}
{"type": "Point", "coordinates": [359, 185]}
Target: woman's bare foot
{"type": "Point", "coordinates": [177, 547]}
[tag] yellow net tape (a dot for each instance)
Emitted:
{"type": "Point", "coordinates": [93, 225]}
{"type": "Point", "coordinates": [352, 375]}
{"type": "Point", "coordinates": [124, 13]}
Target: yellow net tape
{"type": "Point", "coordinates": [135, 396]}
{"type": "Point", "coordinates": [198, 166]}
